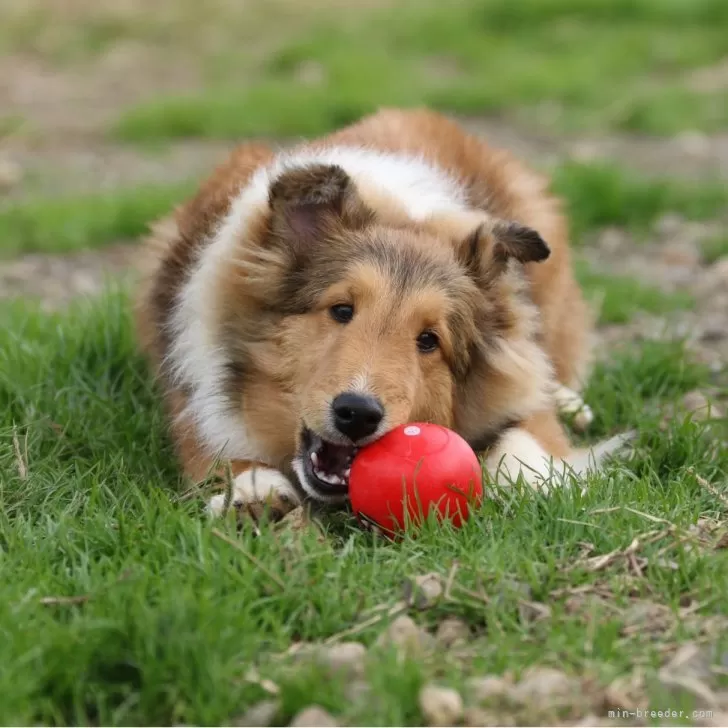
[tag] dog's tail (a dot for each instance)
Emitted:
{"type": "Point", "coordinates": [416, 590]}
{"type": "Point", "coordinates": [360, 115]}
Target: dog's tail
{"type": "Point", "coordinates": [592, 458]}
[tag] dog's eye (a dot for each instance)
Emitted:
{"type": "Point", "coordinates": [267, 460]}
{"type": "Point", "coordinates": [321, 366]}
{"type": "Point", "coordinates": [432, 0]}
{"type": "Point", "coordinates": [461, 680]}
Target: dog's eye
{"type": "Point", "coordinates": [427, 341]}
{"type": "Point", "coordinates": [342, 312]}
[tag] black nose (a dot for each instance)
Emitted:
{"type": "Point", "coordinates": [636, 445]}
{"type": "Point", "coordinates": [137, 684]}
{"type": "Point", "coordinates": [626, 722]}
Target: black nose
{"type": "Point", "coordinates": [357, 415]}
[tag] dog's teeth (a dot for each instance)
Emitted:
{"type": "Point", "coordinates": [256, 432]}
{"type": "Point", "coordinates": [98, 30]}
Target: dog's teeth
{"type": "Point", "coordinates": [314, 458]}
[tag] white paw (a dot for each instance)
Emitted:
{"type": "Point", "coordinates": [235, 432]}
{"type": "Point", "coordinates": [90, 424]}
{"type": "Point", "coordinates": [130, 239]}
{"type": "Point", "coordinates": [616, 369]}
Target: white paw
{"type": "Point", "coordinates": [571, 404]}
{"type": "Point", "coordinates": [255, 489]}
{"type": "Point", "coordinates": [518, 453]}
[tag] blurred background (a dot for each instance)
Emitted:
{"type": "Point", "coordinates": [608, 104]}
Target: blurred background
{"type": "Point", "coordinates": [112, 110]}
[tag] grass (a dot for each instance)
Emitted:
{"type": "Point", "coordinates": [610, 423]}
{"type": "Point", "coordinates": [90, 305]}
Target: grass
{"type": "Point", "coordinates": [590, 65]}
{"type": "Point", "coordinates": [671, 109]}
{"type": "Point", "coordinates": [621, 297]}
{"type": "Point", "coordinates": [597, 195]}
{"type": "Point", "coordinates": [119, 605]}
{"type": "Point", "coordinates": [715, 248]}
{"type": "Point", "coordinates": [168, 619]}
{"type": "Point", "coordinates": [61, 225]}
{"type": "Point", "coordinates": [601, 195]}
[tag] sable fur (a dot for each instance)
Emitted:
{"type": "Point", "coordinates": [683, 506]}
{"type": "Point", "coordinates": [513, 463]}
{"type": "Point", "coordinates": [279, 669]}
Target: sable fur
{"type": "Point", "coordinates": [246, 271]}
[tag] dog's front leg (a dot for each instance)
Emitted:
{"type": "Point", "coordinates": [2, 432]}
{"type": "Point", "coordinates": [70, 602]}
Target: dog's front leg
{"type": "Point", "coordinates": [256, 488]}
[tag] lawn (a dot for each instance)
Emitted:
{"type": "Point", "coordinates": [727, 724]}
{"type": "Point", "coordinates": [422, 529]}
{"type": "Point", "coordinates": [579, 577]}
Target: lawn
{"type": "Point", "coordinates": [121, 604]}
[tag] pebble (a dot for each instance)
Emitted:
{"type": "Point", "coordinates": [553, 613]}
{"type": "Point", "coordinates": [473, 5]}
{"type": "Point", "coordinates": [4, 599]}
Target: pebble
{"type": "Point", "coordinates": [681, 254]}
{"type": "Point", "coordinates": [345, 657]}
{"type": "Point", "coordinates": [668, 225]}
{"type": "Point", "coordinates": [688, 672]}
{"type": "Point", "coordinates": [477, 718]}
{"type": "Point", "coordinates": [441, 706]}
{"type": "Point", "coordinates": [483, 689]}
{"type": "Point", "coordinates": [612, 239]}
{"type": "Point", "coordinates": [11, 174]}
{"type": "Point", "coordinates": [700, 406]}
{"type": "Point", "coordinates": [404, 634]}
{"type": "Point", "coordinates": [259, 715]}
{"type": "Point", "coordinates": [694, 143]}
{"type": "Point", "coordinates": [427, 590]}
{"type": "Point", "coordinates": [452, 631]}
{"type": "Point", "coordinates": [314, 717]}
{"type": "Point", "coordinates": [545, 686]}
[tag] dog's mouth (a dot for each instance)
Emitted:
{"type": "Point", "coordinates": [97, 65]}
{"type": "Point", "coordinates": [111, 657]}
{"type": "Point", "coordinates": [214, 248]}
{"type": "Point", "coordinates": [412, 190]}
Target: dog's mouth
{"type": "Point", "coordinates": [326, 465]}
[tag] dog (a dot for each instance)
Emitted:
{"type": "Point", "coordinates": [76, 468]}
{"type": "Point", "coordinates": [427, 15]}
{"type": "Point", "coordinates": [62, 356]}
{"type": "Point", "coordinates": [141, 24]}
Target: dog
{"type": "Point", "coordinates": [306, 301]}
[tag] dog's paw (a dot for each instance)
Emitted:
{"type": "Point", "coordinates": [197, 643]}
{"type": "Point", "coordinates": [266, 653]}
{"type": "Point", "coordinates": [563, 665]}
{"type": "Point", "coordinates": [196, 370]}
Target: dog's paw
{"type": "Point", "coordinates": [255, 492]}
{"type": "Point", "coordinates": [570, 404]}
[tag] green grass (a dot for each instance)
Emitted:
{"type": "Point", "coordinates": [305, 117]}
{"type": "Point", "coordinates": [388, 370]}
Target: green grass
{"type": "Point", "coordinates": [171, 619]}
{"type": "Point", "coordinates": [603, 194]}
{"type": "Point", "coordinates": [666, 111]}
{"type": "Point", "coordinates": [564, 63]}
{"type": "Point", "coordinates": [597, 195]}
{"type": "Point", "coordinates": [715, 248]}
{"type": "Point", "coordinates": [621, 297]}
{"type": "Point", "coordinates": [60, 225]}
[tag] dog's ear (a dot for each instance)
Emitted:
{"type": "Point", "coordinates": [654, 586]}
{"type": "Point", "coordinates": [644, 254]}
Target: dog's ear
{"type": "Point", "coordinates": [310, 202]}
{"type": "Point", "coordinates": [487, 250]}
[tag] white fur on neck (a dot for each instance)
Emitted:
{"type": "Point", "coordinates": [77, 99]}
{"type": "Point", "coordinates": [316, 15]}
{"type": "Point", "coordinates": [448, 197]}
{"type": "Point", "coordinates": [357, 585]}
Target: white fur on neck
{"type": "Point", "coordinates": [196, 358]}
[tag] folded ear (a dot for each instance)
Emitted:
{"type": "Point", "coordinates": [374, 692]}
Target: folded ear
{"type": "Point", "coordinates": [308, 203]}
{"type": "Point", "coordinates": [489, 248]}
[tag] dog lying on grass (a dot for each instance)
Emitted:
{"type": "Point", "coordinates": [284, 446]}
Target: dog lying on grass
{"type": "Point", "coordinates": [305, 302]}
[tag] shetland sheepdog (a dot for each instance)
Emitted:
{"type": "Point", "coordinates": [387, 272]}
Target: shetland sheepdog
{"type": "Point", "coordinates": [306, 301]}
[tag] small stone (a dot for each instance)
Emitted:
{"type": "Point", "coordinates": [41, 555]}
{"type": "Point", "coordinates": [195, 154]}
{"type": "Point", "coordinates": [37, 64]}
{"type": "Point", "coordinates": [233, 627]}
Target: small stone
{"type": "Point", "coordinates": [477, 718]}
{"type": "Point", "coordinates": [404, 634]}
{"type": "Point", "coordinates": [717, 275]}
{"type": "Point", "coordinates": [423, 591]}
{"type": "Point", "coordinates": [626, 693]}
{"type": "Point", "coordinates": [441, 706]}
{"type": "Point", "coordinates": [694, 143]}
{"type": "Point", "coordinates": [718, 720]}
{"type": "Point", "coordinates": [346, 657]}
{"type": "Point", "coordinates": [452, 631]}
{"type": "Point", "coordinates": [11, 174]}
{"type": "Point", "coordinates": [586, 151]}
{"type": "Point", "coordinates": [668, 225]}
{"type": "Point", "coordinates": [545, 686]}
{"type": "Point", "coordinates": [690, 658]}
{"type": "Point", "coordinates": [700, 406]}
{"type": "Point", "coordinates": [688, 671]}
{"type": "Point", "coordinates": [612, 239]}
{"type": "Point", "coordinates": [485, 689]}
{"type": "Point", "coordinates": [314, 717]}
{"type": "Point", "coordinates": [589, 721]}
{"type": "Point", "coordinates": [677, 254]}
{"type": "Point", "coordinates": [259, 715]}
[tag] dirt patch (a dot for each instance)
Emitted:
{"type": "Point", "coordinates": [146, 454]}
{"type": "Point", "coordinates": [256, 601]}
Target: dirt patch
{"type": "Point", "coordinates": [671, 259]}
{"type": "Point", "coordinates": [690, 155]}
{"type": "Point", "coordinates": [56, 280]}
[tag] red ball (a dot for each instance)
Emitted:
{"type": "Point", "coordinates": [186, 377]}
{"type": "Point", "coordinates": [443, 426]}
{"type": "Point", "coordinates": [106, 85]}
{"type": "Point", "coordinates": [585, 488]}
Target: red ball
{"type": "Point", "coordinates": [415, 469]}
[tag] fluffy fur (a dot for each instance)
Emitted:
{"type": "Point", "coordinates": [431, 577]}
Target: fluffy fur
{"type": "Point", "coordinates": [399, 261]}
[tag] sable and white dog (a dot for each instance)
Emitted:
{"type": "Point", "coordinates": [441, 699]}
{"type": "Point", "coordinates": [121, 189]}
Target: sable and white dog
{"type": "Point", "coordinates": [307, 301]}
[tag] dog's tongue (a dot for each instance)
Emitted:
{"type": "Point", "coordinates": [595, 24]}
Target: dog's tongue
{"type": "Point", "coordinates": [334, 458]}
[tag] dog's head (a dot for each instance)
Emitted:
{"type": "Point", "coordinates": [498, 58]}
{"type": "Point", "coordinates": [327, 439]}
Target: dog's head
{"type": "Point", "coordinates": [363, 325]}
